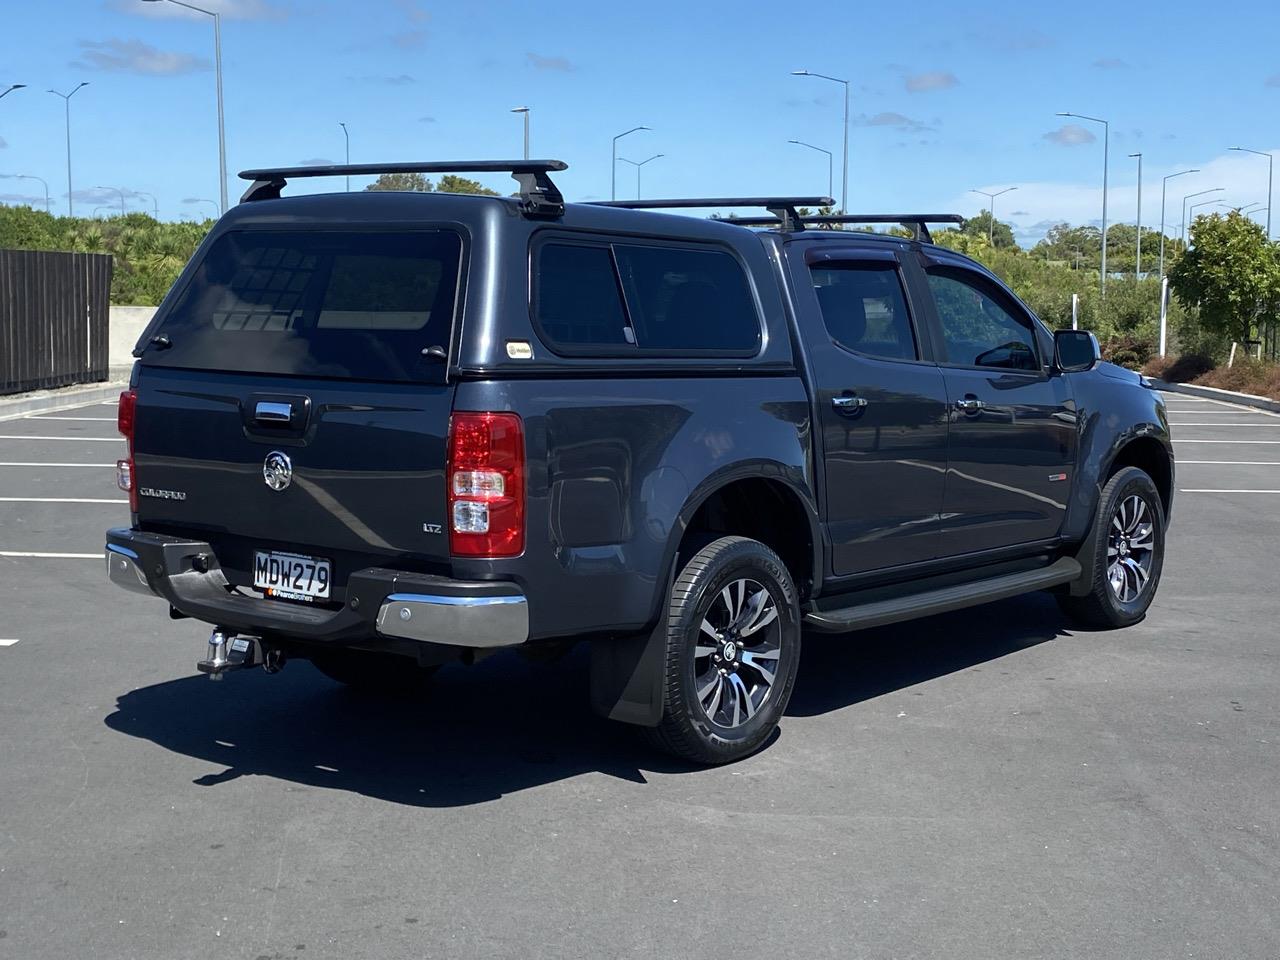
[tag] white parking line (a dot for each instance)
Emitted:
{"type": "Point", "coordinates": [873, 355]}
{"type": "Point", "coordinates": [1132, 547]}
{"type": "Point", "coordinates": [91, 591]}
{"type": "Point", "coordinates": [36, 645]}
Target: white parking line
{"type": "Point", "coordinates": [1186, 490]}
{"type": "Point", "coordinates": [33, 463]}
{"type": "Point", "coordinates": [1237, 463]}
{"type": "Point", "coordinates": [37, 416]}
{"type": "Point", "coordinates": [1181, 440]}
{"type": "Point", "coordinates": [50, 556]}
{"type": "Point", "coordinates": [1201, 423]}
{"type": "Point", "coordinates": [55, 500]}
{"type": "Point", "coordinates": [8, 643]}
{"type": "Point", "coordinates": [69, 439]}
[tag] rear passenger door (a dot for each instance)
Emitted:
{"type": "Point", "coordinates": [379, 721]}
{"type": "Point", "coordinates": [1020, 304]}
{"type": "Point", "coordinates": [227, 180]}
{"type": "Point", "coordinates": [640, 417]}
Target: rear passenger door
{"type": "Point", "coordinates": [1012, 436]}
{"type": "Point", "coordinates": [882, 409]}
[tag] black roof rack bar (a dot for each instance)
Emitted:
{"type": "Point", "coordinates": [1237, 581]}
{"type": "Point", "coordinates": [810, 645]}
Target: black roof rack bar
{"type": "Point", "coordinates": [917, 222]}
{"type": "Point", "coordinates": [539, 196]}
{"type": "Point", "coordinates": [785, 209]}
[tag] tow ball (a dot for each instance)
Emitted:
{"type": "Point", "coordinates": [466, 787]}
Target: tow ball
{"type": "Point", "coordinates": [228, 651]}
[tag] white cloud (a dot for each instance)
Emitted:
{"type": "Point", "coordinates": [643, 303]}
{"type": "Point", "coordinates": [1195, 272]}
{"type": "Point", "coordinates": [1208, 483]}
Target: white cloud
{"type": "Point", "coordinates": [1070, 135]}
{"type": "Point", "coordinates": [135, 56]}
{"type": "Point", "coordinates": [539, 62]}
{"type": "Point", "coordinates": [932, 80]}
{"type": "Point", "coordinates": [890, 119]}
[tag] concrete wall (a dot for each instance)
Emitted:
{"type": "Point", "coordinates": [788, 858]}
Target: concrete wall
{"type": "Point", "coordinates": [126, 326]}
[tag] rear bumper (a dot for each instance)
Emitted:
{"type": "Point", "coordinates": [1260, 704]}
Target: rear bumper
{"type": "Point", "coordinates": [380, 601]}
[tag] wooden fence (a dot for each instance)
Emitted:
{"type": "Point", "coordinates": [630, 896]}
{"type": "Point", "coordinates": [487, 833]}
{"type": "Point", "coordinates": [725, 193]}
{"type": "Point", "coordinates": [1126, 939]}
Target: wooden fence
{"type": "Point", "coordinates": [54, 312]}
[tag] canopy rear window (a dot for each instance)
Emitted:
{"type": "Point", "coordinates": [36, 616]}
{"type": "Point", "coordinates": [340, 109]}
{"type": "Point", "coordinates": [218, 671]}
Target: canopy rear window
{"type": "Point", "coordinates": [348, 304]}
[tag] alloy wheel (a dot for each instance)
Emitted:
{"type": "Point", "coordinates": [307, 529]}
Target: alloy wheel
{"type": "Point", "coordinates": [737, 652]}
{"type": "Point", "coordinates": [1130, 548]}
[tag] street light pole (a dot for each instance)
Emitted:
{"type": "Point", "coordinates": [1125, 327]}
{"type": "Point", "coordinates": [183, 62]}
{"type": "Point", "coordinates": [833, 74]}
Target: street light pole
{"type": "Point", "coordinates": [155, 204]}
{"type": "Point", "coordinates": [217, 57]}
{"type": "Point", "coordinates": [66, 99]}
{"type": "Point", "coordinates": [525, 111]}
{"type": "Point", "coordinates": [12, 87]}
{"type": "Point", "coordinates": [48, 204]}
{"type": "Point", "coordinates": [1106, 151]}
{"type": "Point", "coordinates": [347, 137]}
{"type": "Point", "coordinates": [991, 212]}
{"type": "Point", "coordinates": [1270, 166]}
{"type": "Point", "coordinates": [613, 168]}
{"type": "Point", "coordinates": [1185, 223]}
{"type": "Point", "coordinates": [638, 164]}
{"type": "Point", "coordinates": [1137, 263]}
{"type": "Point", "coordinates": [117, 190]}
{"type": "Point", "coordinates": [202, 200]}
{"type": "Point", "coordinates": [1191, 210]}
{"type": "Point", "coordinates": [830, 160]}
{"type": "Point", "coordinates": [844, 176]}
{"type": "Point", "coordinates": [1164, 184]}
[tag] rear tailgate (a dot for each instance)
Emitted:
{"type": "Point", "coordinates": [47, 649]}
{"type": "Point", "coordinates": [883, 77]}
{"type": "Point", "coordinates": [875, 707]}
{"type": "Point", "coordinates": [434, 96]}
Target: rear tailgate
{"type": "Point", "coordinates": [366, 462]}
{"type": "Point", "coordinates": [290, 404]}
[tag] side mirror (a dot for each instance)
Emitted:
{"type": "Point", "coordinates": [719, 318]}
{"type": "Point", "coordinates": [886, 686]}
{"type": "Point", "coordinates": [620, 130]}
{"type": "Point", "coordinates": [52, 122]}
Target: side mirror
{"type": "Point", "coordinates": [1075, 351]}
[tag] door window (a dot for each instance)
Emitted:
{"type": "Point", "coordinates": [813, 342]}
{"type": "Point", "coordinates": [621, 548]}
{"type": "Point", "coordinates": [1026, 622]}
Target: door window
{"type": "Point", "coordinates": [978, 330]}
{"type": "Point", "coordinates": [864, 308]}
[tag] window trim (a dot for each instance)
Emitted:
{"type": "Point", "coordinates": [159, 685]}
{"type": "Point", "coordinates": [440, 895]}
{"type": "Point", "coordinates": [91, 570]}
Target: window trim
{"type": "Point", "coordinates": [996, 292]}
{"type": "Point", "coordinates": [634, 351]}
{"type": "Point", "coordinates": [832, 260]}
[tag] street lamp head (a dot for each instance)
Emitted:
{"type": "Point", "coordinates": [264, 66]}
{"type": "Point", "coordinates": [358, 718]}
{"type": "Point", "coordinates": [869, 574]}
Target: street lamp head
{"type": "Point", "coordinates": [799, 73]}
{"type": "Point", "coordinates": [519, 109]}
{"type": "Point", "coordinates": [1136, 154]}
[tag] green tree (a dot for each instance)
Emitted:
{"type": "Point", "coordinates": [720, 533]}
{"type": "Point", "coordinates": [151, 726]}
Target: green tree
{"type": "Point", "coordinates": [450, 183]}
{"type": "Point", "coordinates": [981, 226]}
{"type": "Point", "coordinates": [1231, 273]}
{"type": "Point", "coordinates": [404, 182]}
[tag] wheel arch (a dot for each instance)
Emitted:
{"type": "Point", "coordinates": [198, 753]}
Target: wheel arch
{"type": "Point", "coordinates": [1152, 457]}
{"type": "Point", "coordinates": [761, 507]}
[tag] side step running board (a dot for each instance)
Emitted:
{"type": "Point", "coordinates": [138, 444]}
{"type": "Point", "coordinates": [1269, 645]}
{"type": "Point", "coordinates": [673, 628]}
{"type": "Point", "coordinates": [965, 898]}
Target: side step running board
{"type": "Point", "coordinates": [880, 612]}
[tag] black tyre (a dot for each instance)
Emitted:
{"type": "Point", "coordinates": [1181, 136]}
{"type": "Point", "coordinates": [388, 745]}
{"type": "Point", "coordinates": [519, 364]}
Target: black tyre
{"type": "Point", "coordinates": [1127, 539]}
{"type": "Point", "coordinates": [375, 673]}
{"type": "Point", "coordinates": [733, 646]}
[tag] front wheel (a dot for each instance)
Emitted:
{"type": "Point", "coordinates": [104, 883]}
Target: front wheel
{"type": "Point", "coordinates": [1127, 539]}
{"type": "Point", "coordinates": [733, 646]}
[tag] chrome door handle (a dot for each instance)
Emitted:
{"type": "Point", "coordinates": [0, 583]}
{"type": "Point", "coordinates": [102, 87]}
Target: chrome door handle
{"type": "Point", "coordinates": [273, 412]}
{"type": "Point", "coordinates": [849, 404]}
{"type": "Point", "coordinates": [970, 405]}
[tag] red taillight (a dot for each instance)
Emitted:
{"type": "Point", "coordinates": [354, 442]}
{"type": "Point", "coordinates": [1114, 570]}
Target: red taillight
{"type": "Point", "coordinates": [486, 485]}
{"type": "Point", "coordinates": [125, 475]}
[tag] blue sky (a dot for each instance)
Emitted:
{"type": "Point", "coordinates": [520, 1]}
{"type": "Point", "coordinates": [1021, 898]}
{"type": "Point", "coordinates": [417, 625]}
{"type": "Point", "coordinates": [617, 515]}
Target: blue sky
{"type": "Point", "coordinates": [945, 97]}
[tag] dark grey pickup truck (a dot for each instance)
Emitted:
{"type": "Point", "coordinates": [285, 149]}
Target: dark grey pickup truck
{"type": "Point", "coordinates": [382, 431]}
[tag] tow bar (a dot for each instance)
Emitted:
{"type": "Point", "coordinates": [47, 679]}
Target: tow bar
{"type": "Point", "coordinates": [229, 652]}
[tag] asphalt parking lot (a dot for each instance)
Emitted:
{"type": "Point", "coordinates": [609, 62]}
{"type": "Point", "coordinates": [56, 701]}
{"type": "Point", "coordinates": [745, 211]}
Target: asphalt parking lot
{"type": "Point", "coordinates": [983, 784]}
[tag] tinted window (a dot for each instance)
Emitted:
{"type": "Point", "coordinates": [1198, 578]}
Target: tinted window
{"type": "Point", "coordinates": [864, 308]}
{"type": "Point", "coordinates": [685, 300]}
{"type": "Point", "coordinates": [578, 299]}
{"type": "Point", "coordinates": [314, 303]}
{"type": "Point", "coordinates": [978, 330]}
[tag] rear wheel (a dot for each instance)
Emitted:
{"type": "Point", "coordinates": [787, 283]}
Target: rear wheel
{"type": "Point", "coordinates": [733, 646]}
{"type": "Point", "coordinates": [370, 672]}
{"type": "Point", "coordinates": [1127, 539]}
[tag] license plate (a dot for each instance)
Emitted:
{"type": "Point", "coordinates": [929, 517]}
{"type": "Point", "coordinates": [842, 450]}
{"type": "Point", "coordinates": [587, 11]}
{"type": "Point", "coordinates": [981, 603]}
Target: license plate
{"type": "Point", "coordinates": [291, 576]}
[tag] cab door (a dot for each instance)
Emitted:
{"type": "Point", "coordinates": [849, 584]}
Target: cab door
{"type": "Point", "coordinates": [1012, 423]}
{"type": "Point", "coordinates": [881, 406]}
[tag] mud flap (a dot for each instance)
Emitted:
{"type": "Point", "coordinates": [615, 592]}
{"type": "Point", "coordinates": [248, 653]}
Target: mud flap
{"type": "Point", "coordinates": [1086, 556]}
{"type": "Point", "coordinates": [627, 673]}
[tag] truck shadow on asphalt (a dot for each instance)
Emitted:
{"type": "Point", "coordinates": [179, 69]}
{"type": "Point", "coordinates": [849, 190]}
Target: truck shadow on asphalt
{"type": "Point", "coordinates": [506, 724]}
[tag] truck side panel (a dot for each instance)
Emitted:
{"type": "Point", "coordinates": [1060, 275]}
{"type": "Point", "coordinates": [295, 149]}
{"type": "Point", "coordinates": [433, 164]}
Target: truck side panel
{"type": "Point", "coordinates": [614, 468]}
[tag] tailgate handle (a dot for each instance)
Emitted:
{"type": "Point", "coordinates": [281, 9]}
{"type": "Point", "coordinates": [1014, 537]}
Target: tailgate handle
{"type": "Point", "coordinates": [271, 412]}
